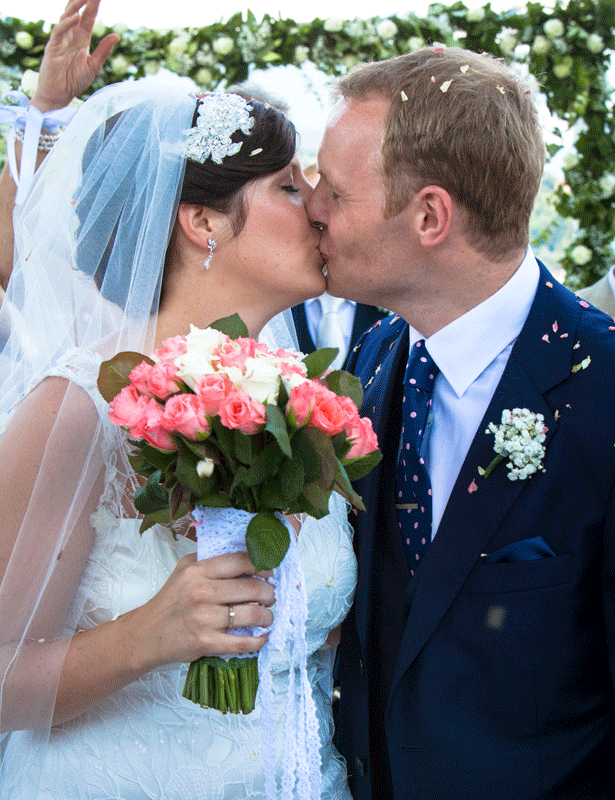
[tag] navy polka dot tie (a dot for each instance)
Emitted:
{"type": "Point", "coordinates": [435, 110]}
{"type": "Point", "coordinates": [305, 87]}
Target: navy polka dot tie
{"type": "Point", "coordinates": [412, 486]}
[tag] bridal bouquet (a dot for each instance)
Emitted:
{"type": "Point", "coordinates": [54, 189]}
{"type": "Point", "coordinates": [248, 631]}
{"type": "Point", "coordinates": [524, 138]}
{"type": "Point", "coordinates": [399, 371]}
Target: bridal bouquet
{"type": "Point", "coordinates": [218, 420]}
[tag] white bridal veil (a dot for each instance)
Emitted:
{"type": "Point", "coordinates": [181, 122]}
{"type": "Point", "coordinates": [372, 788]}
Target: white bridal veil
{"type": "Point", "coordinates": [91, 239]}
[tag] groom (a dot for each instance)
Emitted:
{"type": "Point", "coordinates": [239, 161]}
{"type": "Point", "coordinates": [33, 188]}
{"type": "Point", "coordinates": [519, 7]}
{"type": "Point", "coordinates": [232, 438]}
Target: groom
{"type": "Point", "coordinates": [478, 661]}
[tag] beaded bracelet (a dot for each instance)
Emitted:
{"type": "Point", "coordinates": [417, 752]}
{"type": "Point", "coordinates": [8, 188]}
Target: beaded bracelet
{"type": "Point", "coordinates": [46, 140]}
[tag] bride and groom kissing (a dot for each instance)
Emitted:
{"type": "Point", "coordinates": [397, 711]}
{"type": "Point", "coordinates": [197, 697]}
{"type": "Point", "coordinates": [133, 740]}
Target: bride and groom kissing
{"type": "Point", "coordinates": [477, 659]}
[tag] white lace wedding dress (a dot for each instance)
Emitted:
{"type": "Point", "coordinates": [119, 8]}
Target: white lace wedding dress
{"type": "Point", "coordinates": [145, 741]}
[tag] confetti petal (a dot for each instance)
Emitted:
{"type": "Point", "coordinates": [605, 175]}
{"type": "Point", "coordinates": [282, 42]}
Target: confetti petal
{"type": "Point", "coordinates": [584, 303]}
{"type": "Point", "coordinates": [433, 80]}
{"type": "Point", "coordinates": [257, 151]}
{"type": "Point", "coordinates": [404, 96]}
{"type": "Point", "coordinates": [465, 68]}
{"type": "Point", "coordinates": [439, 47]}
{"type": "Point", "coordinates": [556, 416]}
{"type": "Point", "coordinates": [444, 86]}
{"type": "Point", "coordinates": [500, 89]}
{"type": "Point", "coordinates": [545, 338]}
{"type": "Point", "coordinates": [472, 487]}
{"type": "Point", "coordinates": [563, 336]}
{"type": "Point", "coordinates": [555, 327]}
{"type": "Point", "coordinates": [549, 284]}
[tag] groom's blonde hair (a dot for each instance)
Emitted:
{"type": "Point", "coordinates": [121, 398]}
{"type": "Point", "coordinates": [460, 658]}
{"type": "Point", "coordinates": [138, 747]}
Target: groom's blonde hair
{"type": "Point", "coordinates": [466, 123]}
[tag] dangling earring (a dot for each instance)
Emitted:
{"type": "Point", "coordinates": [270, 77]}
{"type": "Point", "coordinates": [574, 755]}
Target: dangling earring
{"type": "Point", "coordinates": [211, 245]}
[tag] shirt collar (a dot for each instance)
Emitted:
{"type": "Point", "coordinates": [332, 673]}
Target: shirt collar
{"type": "Point", "coordinates": [313, 300]}
{"type": "Point", "coordinates": [464, 348]}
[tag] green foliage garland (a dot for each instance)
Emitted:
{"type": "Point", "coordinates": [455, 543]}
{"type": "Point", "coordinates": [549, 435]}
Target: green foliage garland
{"type": "Point", "coordinates": [566, 48]}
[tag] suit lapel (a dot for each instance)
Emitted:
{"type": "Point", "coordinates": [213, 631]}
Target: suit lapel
{"type": "Point", "coordinates": [378, 486]}
{"type": "Point", "coordinates": [477, 506]}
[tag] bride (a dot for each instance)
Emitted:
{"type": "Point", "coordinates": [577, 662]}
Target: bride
{"type": "Point", "coordinates": [121, 243]}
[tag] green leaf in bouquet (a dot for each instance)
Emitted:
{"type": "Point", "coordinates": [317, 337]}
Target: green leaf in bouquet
{"type": "Point", "coordinates": [326, 456]}
{"type": "Point", "coordinates": [113, 374]}
{"type": "Point", "coordinates": [302, 444]}
{"type": "Point", "coordinates": [291, 478]}
{"type": "Point", "coordinates": [187, 475]}
{"type": "Point", "coordinates": [272, 497]}
{"type": "Point", "coordinates": [318, 361]}
{"type": "Point", "coordinates": [244, 447]}
{"type": "Point", "coordinates": [359, 467]}
{"type": "Point", "coordinates": [345, 385]}
{"type": "Point", "coordinates": [267, 540]}
{"type": "Point", "coordinates": [343, 487]}
{"type": "Point", "coordinates": [317, 497]}
{"type": "Point", "coordinates": [161, 459]}
{"type": "Point", "coordinates": [140, 464]}
{"type": "Point", "coordinates": [233, 326]}
{"type": "Point", "coordinates": [263, 468]}
{"type": "Point", "coordinates": [179, 502]}
{"type": "Point", "coordinates": [276, 425]}
{"type": "Point", "coordinates": [151, 497]}
{"type": "Point", "coordinates": [216, 501]}
{"type": "Point", "coordinates": [225, 441]}
{"type": "Point", "coordinates": [161, 517]}
{"type": "Point", "coordinates": [203, 449]}
{"type": "Point", "coordinates": [341, 445]}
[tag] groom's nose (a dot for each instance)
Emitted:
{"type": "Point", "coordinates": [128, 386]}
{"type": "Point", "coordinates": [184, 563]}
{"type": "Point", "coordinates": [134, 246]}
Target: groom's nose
{"type": "Point", "coordinates": [315, 209]}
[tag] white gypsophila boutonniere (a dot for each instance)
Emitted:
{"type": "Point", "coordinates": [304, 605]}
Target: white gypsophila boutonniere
{"type": "Point", "coordinates": [518, 438]}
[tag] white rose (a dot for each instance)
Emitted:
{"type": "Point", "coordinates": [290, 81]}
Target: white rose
{"type": "Point", "coordinates": [29, 82]}
{"type": "Point", "coordinates": [99, 29]}
{"type": "Point", "coordinates": [261, 380]}
{"type": "Point", "coordinates": [554, 28]}
{"type": "Point", "coordinates": [196, 361]}
{"type": "Point", "coordinates": [386, 29]}
{"type": "Point", "coordinates": [507, 41]}
{"type": "Point", "coordinates": [205, 468]}
{"type": "Point", "coordinates": [415, 43]}
{"type": "Point", "coordinates": [302, 53]}
{"type": "Point", "coordinates": [475, 15]}
{"type": "Point", "coordinates": [563, 68]}
{"type": "Point", "coordinates": [24, 40]}
{"type": "Point", "coordinates": [204, 76]}
{"type": "Point", "coordinates": [571, 159]}
{"type": "Point", "coordinates": [119, 65]}
{"type": "Point", "coordinates": [223, 45]}
{"type": "Point", "coordinates": [541, 45]}
{"type": "Point", "coordinates": [292, 380]}
{"type": "Point", "coordinates": [581, 254]}
{"type": "Point", "coordinates": [178, 45]}
{"type": "Point", "coordinates": [350, 61]}
{"type": "Point", "coordinates": [595, 43]}
{"type": "Point", "coordinates": [333, 24]}
{"type": "Point", "coordinates": [151, 67]}
{"type": "Point", "coordinates": [607, 184]}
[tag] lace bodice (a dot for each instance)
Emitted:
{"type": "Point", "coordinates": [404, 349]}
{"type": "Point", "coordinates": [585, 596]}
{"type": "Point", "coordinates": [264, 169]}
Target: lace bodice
{"type": "Point", "coordinates": [146, 741]}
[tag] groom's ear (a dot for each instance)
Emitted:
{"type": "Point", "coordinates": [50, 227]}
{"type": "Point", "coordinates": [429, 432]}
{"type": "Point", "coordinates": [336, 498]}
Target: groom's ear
{"type": "Point", "coordinates": [200, 223]}
{"type": "Point", "coordinates": [432, 211]}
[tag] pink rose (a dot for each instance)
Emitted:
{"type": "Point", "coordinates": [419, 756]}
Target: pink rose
{"type": "Point", "coordinates": [185, 414]}
{"type": "Point", "coordinates": [363, 438]}
{"type": "Point", "coordinates": [139, 377]}
{"type": "Point", "coordinates": [239, 410]}
{"type": "Point", "coordinates": [234, 353]}
{"type": "Point", "coordinates": [127, 409]}
{"type": "Point", "coordinates": [171, 349]}
{"type": "Point", "coordinates": [212, 389]}
{"type": "Point", "coordinates": [318, 405]}
{"type": "Point", "coordinates": [151, 428]}
{"type": "Point", "coordinates": [162, 380]}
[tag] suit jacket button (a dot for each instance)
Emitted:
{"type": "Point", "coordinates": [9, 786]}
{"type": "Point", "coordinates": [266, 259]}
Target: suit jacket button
{"type": "Point", "coordinates": [359, 766]}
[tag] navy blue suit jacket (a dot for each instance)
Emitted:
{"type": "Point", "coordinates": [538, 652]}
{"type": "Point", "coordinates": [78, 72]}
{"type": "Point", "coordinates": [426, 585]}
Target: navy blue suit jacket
{"type": "Point", "coordinates": [498, 681]}
{"type": "Point", "coordinates": [364, 318]}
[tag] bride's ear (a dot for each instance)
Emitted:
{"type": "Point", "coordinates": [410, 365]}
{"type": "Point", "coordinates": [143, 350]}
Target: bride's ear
{"type": "Point", "coordinates": [199, 223]}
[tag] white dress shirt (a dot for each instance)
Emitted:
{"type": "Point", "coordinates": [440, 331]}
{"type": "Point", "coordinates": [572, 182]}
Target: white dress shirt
{"type": "Point", "coordinates": [471, 353]}
{"type": "Point", "coordinates": [313, 314]}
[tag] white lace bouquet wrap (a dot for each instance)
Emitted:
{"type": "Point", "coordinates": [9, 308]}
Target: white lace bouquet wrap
{"type": "Point", "coordinates": [222, 530]}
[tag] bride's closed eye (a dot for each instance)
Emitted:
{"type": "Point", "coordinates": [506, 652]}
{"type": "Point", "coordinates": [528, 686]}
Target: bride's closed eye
{"type": "Point", "coordinates": [289, 187]}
